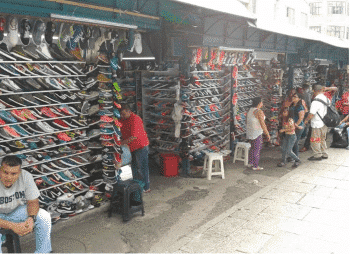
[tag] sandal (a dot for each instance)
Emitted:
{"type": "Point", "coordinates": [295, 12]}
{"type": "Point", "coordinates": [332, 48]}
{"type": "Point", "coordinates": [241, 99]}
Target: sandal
{"type": "Point", "coordinates": [281, 164]}
{"type": "Point", "coordinates": [257, 169]}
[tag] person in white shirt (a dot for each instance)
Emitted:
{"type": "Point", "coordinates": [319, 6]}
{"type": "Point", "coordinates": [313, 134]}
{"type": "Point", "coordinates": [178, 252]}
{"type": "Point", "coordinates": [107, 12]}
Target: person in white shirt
{"type": "Point", "coordinates": [319, 129]}
{"type": "Point", "coordinates": [19, 204]}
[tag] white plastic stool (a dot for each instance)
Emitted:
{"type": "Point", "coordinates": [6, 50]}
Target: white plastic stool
{"type": "Point", "coordinates": [244, 148]}
{"type": "Point", "coordinates": [219, 165]}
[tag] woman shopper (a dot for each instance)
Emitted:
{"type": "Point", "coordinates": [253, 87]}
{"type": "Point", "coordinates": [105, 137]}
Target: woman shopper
{"type": "Point", "coordinates": [299, 114]}
{"type": "Point", "coordinates": [255, 128]}
{"type": "Point", "coordinates": [288, 129]}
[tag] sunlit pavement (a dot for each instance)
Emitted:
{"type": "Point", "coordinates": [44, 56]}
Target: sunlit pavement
{"type": "Point", "coordinates": [305, 211]}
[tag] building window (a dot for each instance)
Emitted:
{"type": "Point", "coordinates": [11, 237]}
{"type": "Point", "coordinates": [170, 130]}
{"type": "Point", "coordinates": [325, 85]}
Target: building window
{"type": "Point", "coordinates": [336, 7]}
{"type": "Point", "coordinates": [303, 19]}
{"type": "Point", "coordinates": [254, 6]}
{"type": "Point", "coordinates": [336, 31]}
{"type": "Point", "coordinates": [291, 15]}
{"type": "Point", "coordinates": [316, 28]}
{"type": "Point", "coordinates": [315, 8]}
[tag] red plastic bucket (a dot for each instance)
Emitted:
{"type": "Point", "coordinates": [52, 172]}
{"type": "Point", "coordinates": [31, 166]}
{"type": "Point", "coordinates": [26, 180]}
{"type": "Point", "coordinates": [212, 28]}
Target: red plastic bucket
{"type": "Point", "coordinates": [169, 164]}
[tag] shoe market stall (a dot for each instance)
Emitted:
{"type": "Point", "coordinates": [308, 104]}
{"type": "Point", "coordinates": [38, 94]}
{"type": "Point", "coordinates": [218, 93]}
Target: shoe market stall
{"type": "Point", "coordinates": [62, 80]}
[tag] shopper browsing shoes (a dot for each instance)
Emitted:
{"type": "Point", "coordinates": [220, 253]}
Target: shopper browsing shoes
{"type": "Point", "coordinates": [19, 204]}
{"type": "Point", "coordinates": [289, 137]}
{"type": "Point", "coordinates": [306, 96]}
{"type": "Point", "coordinates": [299, 113]}
{"type": "Point", "coordinates": [255, 128]}
{"type": "Point", "coordinates": [135, 136]}
{"type": "Point", "coordinates": [319, 129]}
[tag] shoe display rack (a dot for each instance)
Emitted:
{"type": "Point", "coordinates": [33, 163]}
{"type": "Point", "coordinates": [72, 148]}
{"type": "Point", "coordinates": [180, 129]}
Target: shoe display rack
{"type": "Point", "coordinates": [208, 110]}
{"type": "Point", "coordinates": [103, 100]}
{"type": "Point", "coordinates": [160, 91]}
{"type": "Point", "coordinates": [41, 123]}
{"type": "Point", "coordinates": [270, 75]}
{"type": "Point", "coordinates": [59, 114]}
{"type": "Point", "coordinates": [244, 86]}
{"type": "Point", "coordinates": [310, 74]}
{"type": "Point", "coordinates": [205, 98]}
{"type": "Point", "coordinates": [128, 86]}
{"type": "Point", "coordinates": [298, 77]}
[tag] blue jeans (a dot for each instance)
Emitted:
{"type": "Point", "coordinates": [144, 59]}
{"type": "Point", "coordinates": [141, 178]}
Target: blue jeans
{"type": "Point", "coordinates": [42, 227]}
{"type": "Point", "coordinates": [139, 165]}
{"type": "Point", "coordinates": [185, 163]}
{"type": "Point", "coordinates": [287, 146]}
{"type": "Point", "coordinates": [298, 133]}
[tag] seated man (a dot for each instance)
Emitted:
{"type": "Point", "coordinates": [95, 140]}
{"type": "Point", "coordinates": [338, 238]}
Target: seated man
{"type": "Point", "coordinates": [19, 204]}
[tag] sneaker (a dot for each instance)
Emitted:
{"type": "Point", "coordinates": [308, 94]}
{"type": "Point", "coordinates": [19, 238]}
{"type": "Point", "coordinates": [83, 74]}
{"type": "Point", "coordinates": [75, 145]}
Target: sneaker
{"type": "Point", "coordinates": [103, 79]}
{"type": "Point", "coordinates": [59, 123]}
{"type": "Point", "coordinates": [70, 187]}
{"type": "Point", "coordinates": [94, 145]}
{"type": "Point", "coordinates": [66, 207]}
{"type": "Point", "coordinates": [48, 112]}
{"type": "Point", "coordinates": [106, 137]}
{"type": "Point", "coordinates": [93, 133]}
{"type": "Point", "coordinates": [7, 117]}
{"type": "Point", "coordinates": [69, 174]}
{"type": "Point", "coordinates": [64, 137]}
{"type": "Point", "coordinates": [9, 132]}
{"type": "Point", "coordinates": [313, 158]}
{"type": "Point", "coordinates": [106, 119]}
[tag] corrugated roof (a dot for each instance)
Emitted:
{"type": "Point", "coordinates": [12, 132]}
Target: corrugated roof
{"type": "Point", "coordinates": [301, 32]}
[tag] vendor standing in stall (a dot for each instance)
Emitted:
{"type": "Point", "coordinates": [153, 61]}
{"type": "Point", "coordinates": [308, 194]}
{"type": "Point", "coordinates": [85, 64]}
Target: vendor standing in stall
{"type": "Point", "coordinates": [135, 136]}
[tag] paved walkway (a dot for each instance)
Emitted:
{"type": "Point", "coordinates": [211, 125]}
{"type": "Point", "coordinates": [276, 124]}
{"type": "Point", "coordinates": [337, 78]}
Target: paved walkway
{"type": "Point", "coordinates": [305, 211]}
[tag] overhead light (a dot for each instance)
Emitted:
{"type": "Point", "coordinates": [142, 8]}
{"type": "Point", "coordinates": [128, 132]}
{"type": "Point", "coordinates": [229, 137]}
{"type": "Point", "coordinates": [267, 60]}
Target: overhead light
{"type": "Point", "coordinates": [91, 21]}
{"type": "Point", "coordinates": [138, 58]}
{"type": "Point", "coordinates": [235, 49]}
{"type": "Point", "coordinates": [146, 54]}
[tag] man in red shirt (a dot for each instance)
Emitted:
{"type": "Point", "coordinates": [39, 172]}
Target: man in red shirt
{"type": "Point", "coordinates": [135, 136]}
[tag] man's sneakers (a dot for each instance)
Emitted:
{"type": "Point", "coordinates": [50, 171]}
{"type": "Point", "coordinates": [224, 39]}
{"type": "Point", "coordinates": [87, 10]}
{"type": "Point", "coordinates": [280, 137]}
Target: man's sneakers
{"type": "Point", "coordinates": [314, 158]}
{"type": "Point", "coordinates": [66, 207]}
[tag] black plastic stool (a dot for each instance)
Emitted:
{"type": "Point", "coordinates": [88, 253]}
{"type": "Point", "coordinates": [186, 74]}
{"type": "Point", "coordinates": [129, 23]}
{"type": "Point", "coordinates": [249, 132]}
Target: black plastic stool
{"type": "Point", "coordinates": [124, 199]}
{"type": "Point", "coordinates": [12, 242]}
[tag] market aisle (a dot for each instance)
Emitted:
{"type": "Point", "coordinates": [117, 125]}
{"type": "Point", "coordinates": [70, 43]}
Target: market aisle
{"type": "Point", "coordinates": [176, 207]}
{"type": "Point", "coordinates": [305, 211]}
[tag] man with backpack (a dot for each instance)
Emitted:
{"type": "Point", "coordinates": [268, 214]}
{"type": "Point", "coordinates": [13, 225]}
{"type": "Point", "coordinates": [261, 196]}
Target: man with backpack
{"type": "Point", "coordinates": [319, 130]}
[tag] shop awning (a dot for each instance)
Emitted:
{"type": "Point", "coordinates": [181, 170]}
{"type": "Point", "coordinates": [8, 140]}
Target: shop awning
{"type": "Point", "coordinates": [301, 32]}
{"type": "Point", "coordinates": [232, 7]}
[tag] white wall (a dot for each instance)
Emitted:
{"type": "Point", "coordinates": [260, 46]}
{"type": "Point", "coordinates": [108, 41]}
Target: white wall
{"type": "Point", "coordinates": [276, 11]}
{"type": "Point", "coordinates": [324, 19]}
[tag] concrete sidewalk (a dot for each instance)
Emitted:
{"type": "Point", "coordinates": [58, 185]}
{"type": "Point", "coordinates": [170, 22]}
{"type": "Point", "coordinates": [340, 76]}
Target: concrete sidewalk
{"type": "Point", "coordinates": [305, 211]}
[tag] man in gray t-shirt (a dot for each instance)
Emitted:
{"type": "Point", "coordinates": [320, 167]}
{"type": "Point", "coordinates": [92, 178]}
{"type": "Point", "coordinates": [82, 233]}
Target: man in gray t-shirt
{"type": "Point", "coordinates": [19, 204]}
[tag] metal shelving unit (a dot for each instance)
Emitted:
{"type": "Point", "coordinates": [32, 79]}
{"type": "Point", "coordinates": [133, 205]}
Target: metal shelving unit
{"type": "Point", "coordinates": [71, 128]}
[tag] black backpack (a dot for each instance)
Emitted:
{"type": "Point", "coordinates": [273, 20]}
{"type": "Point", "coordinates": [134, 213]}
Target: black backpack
{"type": "Point", "coordinates": [331, 118]}
{"type": "Point", "coordinates": [340, 139]}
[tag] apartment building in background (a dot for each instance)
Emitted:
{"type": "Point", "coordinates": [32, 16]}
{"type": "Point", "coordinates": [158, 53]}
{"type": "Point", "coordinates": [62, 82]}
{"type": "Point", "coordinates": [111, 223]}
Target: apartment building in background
{"type": "Point", "coordinates": [289, 12]}
{"type": "Point", "coordinates": [330, 17]}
